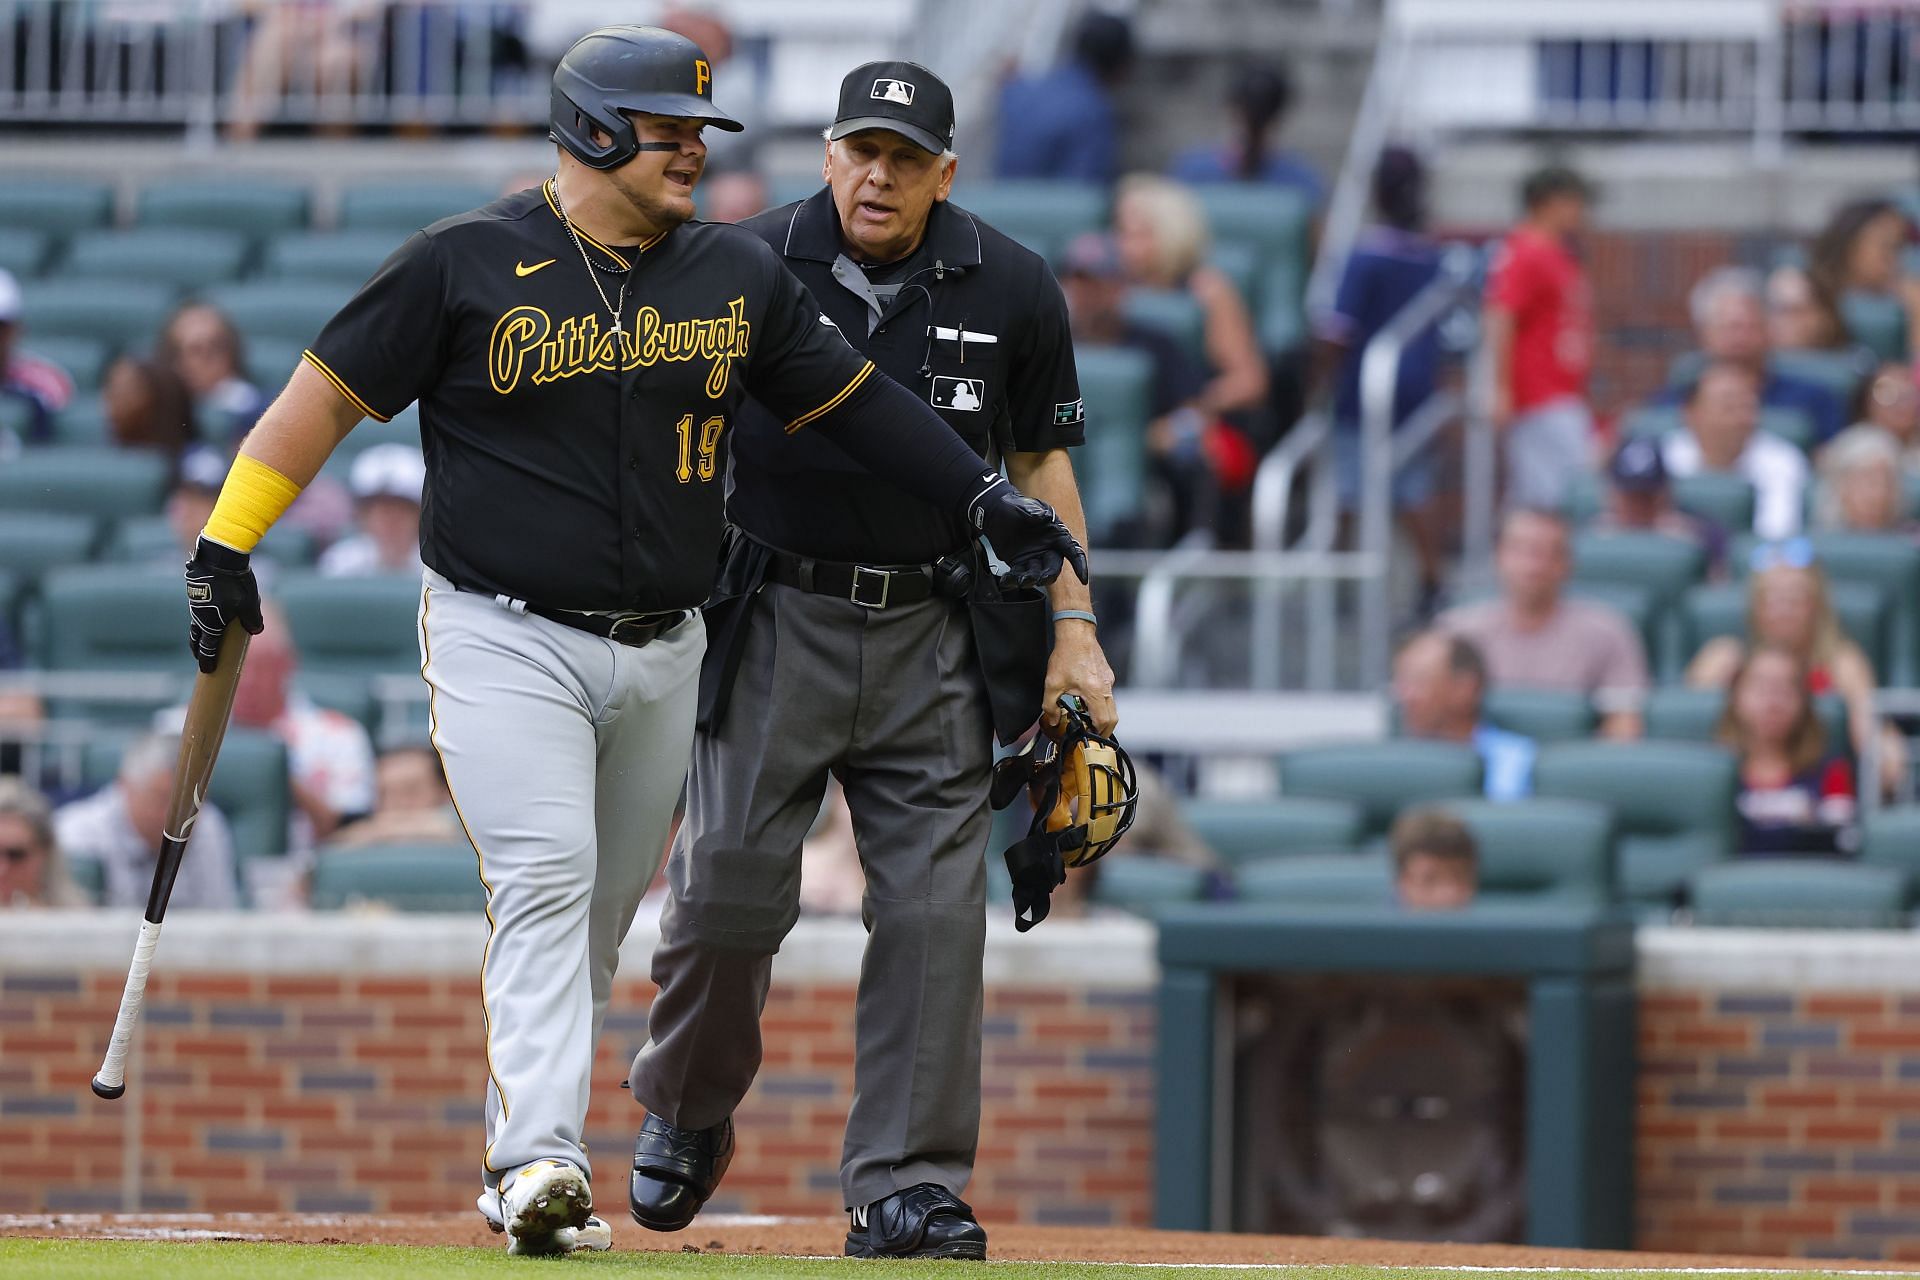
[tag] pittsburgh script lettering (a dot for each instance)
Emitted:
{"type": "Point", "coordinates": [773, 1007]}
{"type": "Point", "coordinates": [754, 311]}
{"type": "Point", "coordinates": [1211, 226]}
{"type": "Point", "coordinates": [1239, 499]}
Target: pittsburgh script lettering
{"type": "Point", "coordinates": [527, 338]}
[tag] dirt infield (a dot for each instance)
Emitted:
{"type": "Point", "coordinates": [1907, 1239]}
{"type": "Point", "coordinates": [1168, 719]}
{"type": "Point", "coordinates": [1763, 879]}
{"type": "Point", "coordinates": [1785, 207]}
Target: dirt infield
{"type": "Point", "coordinates": [814, 1237]}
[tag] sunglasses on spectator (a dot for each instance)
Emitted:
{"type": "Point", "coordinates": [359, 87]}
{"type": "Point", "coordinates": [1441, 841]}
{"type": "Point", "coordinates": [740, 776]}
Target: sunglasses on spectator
{"type": "Point", "coordinates": [15, 854]}
{"type": "Point", "coordinates": [1794, 553]}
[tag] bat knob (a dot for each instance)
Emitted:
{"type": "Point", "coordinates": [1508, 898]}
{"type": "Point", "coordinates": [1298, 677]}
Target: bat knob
{"type": "Point", "coordinates": [108, 1091]}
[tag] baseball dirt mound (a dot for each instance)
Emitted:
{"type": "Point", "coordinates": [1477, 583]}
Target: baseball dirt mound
{"type": "Point", "coordinates": [814, 1237]}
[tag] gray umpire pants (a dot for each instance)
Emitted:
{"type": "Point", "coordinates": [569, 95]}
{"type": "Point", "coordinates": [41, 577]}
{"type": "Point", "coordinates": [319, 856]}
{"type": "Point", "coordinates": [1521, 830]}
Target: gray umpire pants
{"type": "Point", "coordinates": [891, 702]}
{"type": "Point", "coordinates": [565, 754]}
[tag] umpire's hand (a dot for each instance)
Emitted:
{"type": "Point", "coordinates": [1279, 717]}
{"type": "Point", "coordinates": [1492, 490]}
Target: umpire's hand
{"type": "Point", "coordinates": [220, 590]}
{"type": "Point", "coordinates": [1025, 533]}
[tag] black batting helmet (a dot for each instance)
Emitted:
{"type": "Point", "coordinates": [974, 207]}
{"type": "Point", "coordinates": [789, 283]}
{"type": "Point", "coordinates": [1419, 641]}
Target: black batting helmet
{"type": "Point", "coordinates": [620, 69]}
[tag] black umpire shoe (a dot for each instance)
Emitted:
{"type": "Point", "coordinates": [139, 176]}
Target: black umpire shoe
{"type": "Point", "coordinates": [924, 1221]}
{"type": "Point", "coordinates": [675, 1170]}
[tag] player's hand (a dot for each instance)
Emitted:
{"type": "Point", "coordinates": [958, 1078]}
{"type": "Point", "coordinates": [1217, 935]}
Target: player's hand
{"type": "Point", "coordinates": [1078, 665]}
{"type": "Point", "coordinates": [220, 591]}
{"type": "Point", "coordinates": [1024, 533]}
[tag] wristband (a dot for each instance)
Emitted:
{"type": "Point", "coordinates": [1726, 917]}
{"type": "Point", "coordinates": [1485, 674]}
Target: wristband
{"type": "Point", "coordinates": [1079, 615]}
{"type": "Point", "coordinates": [253, 497]}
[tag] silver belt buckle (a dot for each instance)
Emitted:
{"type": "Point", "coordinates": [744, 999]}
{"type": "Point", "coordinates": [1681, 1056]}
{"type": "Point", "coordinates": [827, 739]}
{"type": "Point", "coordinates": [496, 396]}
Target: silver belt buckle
{"type": "Point", "coordinates": [859, 597]}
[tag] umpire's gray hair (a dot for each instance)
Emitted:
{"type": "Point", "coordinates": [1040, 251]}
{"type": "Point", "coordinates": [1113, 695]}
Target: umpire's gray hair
{"type": "Point", "coordinates": [945, 156]}
{"type": "Point", "coordinates": [1721, 282]}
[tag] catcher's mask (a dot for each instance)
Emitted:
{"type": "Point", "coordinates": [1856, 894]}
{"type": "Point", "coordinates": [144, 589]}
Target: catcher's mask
{"type": "Point", "coordinates": [1084, 796]}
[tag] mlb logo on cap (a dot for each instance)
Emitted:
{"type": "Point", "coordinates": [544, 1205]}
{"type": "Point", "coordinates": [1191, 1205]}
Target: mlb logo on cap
{"type": "Point", "coordinates": [893, 91]}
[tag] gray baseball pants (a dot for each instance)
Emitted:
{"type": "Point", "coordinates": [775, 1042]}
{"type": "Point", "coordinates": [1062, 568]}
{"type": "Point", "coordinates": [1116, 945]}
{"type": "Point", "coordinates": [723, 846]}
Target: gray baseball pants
{"type": "Point", "coordinates": [565, 753]}
{"type": "Point", "coordinates": [891, 702]}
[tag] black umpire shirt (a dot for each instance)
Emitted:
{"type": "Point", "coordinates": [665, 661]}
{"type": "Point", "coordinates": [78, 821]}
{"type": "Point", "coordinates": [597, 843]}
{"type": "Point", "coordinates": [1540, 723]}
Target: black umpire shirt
{"type": "Point", "coordinates": [976, 326]}
{"type": "Point", "coordinates": [566, 467]}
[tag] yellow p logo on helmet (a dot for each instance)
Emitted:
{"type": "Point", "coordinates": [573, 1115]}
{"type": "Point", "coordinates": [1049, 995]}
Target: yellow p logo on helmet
{"type": "Point", "coordinates": [702, 75]}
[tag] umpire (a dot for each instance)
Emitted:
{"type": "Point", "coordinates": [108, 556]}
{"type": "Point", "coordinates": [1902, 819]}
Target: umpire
{"type": "Point", "coordinates": [856, 632]}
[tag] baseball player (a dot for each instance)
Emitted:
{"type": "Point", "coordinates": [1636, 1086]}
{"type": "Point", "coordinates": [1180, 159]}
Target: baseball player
{"type": "Point", "coordinates": [580, 358]}
{"type": "Point", "coordinates": [829, 560]}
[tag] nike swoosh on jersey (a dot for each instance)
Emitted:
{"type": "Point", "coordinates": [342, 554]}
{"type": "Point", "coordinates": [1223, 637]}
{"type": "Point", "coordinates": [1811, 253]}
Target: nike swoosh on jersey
{"type": "Point", "coordinates": [522, 269]}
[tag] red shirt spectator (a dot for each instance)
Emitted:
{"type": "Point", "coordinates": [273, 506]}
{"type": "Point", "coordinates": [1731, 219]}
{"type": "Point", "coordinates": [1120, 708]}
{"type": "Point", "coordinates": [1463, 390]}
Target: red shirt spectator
{"type": "Point", "coordinates": [1541, 284]}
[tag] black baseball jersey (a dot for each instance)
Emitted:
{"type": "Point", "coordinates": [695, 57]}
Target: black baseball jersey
{"type": "Point", "coordinates": [566, 466]}
{"type": "Point", "coordinates": [975, 326]}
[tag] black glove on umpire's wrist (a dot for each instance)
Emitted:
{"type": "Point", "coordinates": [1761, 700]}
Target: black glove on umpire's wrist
{"type": "Point", "coordinates": [220, 590]}
{"type": "Point", "coordinates": [1025, 533]}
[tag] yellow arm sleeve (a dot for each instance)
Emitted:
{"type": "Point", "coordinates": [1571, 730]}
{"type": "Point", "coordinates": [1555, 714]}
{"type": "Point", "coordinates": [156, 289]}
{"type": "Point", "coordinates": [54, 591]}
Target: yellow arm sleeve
{"type": "Point", "coordinates": [253, 497]}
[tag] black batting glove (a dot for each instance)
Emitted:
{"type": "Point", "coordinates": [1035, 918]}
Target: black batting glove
{"type": "Point", "coordinates": [1025, 533]}
{"type": "Point", "coordinates": [220, 591]}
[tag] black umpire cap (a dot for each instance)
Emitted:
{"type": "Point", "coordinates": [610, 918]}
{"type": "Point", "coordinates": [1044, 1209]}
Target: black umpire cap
{"type": "Point", "coordinates": [619, 69]}
{"type": "Point", "coordinates": [902, 96]}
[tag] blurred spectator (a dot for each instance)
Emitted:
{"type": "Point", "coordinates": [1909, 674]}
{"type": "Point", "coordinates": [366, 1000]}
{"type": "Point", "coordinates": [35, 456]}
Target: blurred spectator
{"type": "Point", "coordinates": [1795, 321]}
{"type": "Point", "coordinates": [1722, 433]}
{"type": "Point", "coordinates": [1858, 251]}
{"type": "Point", "coordinates": [1439, 681]}
{"type": "Point", "coordinates": [1257, 102]}
{"type": "Point", "coordinates": [1533, 636]}
{"type": "Point", "coordinates": [32, 872]}
{"type": "Point", "coordinates": [832, 881]}
{"type": "Point", "coordinates": [733, 196]}
{"type": "Point", "coordinates": [196, 484]}
{"type": "Point", "coordinates": [323, 48]}
{"type": "Point", "coordinates": [1730, 323]}
{"type": "Point", "coordinates": [21, 711]}
{"type": "Point", "coordinates": [1796, 791]}
{"type": "Point", "coordinates": [39, 386]}
{"type": "Point", "coordinates": [1393, 260]}
{"type": "Point", "coordinates": [147, 406]}
{"type": "Point", "coordinates": [204, 348]}
{"type": "Point", "coordinates": [1160, 229]}
{"type": "Point", "coordinates": [1178, 433]}
{"type": "Point", "coordinates": [1890, 401]}
{"type": "Point", "coordinates": [412, 803]}
{"type": "Point", "coordinates": [1860, 485]}
{"type": "Point", "coordinates": [121, 825]}
{"type": "Point", "coordinates": [1061, 125]}
{"type": "Point", "coordinates": [386, 481]}
{"type": "Point", "coordinates": [1436, 865]}
{"type": "Point", "coordinates": [1788, 608]}
{"type": "Point", "coordinates": [1539, 330]}
{"type": "Point", "coordinates": [1640, 498]}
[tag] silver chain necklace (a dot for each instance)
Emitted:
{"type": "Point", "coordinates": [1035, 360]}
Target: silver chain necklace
{"type": "Point", "coordinates": [620, 304]}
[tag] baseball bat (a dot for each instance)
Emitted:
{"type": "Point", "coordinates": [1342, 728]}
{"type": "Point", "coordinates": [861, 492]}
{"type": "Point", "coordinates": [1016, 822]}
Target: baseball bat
{"type": "Point", "coordinates": [207, 713]}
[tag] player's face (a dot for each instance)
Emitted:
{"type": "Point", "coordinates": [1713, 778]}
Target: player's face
{"type": "Point", "coordinates": [884, 187]}
{"type": "Point", "coordinates": [659, 184]}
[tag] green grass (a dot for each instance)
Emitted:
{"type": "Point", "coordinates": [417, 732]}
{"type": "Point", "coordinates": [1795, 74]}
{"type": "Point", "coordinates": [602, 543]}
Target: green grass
{"type": "Point", "coordinates": [22, 1259]}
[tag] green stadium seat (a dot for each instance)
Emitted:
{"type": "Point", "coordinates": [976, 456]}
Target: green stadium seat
{"type": "Point", "coordinates": [1276, 219]}
{"type": "Point", "coordinates": [1795, 426]}
{"type": "Point", "coordinates": [1672, 804]}
{"type": "Point", "coordinates": [96, 482]}
{"type": "Point", "coordinates": [1667, 565]}
{"type": "Point", "coordinates": [1382, 777]}
{"type": "Point", "coordinates": [250, 786]}
{"type": "Point", "coordinates": [1877, 322]}
{"type": "Point", "coordinates": [1116, 384]}
{"type": "Point", "coordinates": [13, 600]}
{"type": "Point", "coordinates": [1683, 713]}
{"type": "Point", "coordinates": [1318, 879]}
{"type": "Point", "coordinates": [1239, 262]}
{"type": "Point", "coordinates": [149, 540]}
{"type": "Point", "coordinates": [125, 313]}
{"type": "Point", "coordinates": [1840, 372]}
{"type": "Point", "coordinates": [113, 618]}
{"type": "Point", "coordinates": [1585, 498]}
{"type": "Point", "coordinates": [342, 257]}
{"type": "Point", "coordinates": [84, 359]}
{"type": "Point", "coordinates": [1891, 838]}
{"type": "Point", "coordinates": [436, 877]}
{"type": "Point", "coordinates": [252, 208]}
{"type": "Point", "coordinates": [1241, 831]}
{"type": "Point", "coordinates": [1889, 561]}
{"type": "Point", "coordinates": [1799, 893]}
{"type": "Point", "coordinates": [406, 207]}
{"type": "Point", "coordinates": [1043, 216]}
{"type": "Point", "coordinates": [24, 251]}
{"type": "Point", "coordinates": [295, 310]}
{"type": "Point", "coordinates": [1652, 420]}
{"type": "Point", "coordinates": [1548, 850]}
{"type": "Point", "coordinates": [1720, 609]}
{"type": "Point", "coordinates": [182, 257]}
{"type": "Point", "coordinates": [83, 423]}
{"type": "Point", "coordinates": [353, 626]}
{"type": "Point", "coordinates": [1174, 312]}
{"type": "Point", "coordinates": [53, 204]}
{"type": "Point", "coordinates": [89, 877]}
{"type": "Point", "coordinates": [1725, 499]}
{"type": "Point", "coordinates": [17, 416]}
{"type": "Point", "coordinates": [1545, 715]}
{"type": "Point", "coordinates": [35, 543]}
{"type": "Point", "coordinates": [271, 362]}
{"type": "Point", "coordinates": [1281, 311]}
{"type": "Point", "coordinates": [1144, 885]}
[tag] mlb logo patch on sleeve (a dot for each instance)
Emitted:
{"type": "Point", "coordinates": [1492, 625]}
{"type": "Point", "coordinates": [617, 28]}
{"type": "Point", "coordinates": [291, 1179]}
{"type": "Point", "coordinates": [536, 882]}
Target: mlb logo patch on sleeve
{"type": "Point", "coordinates": [1065, 415]}
{"type": "Point", "coordinates": [959, 393]}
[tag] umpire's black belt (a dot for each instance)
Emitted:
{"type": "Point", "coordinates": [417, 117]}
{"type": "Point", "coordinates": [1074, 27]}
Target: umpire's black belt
{"type": "Point", "coordinates": [870, 586]}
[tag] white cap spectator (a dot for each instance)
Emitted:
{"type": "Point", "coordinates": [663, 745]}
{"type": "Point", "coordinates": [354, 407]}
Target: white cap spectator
{"type": "Point", "coordinates": [387, 481]}
{"type": "Point", "coordinates": [388, 471]}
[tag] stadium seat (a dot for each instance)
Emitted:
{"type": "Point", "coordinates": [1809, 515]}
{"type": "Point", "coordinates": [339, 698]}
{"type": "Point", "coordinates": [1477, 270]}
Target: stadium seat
{"type": "Point", "coordinates": [295, 310]}
{"type": "Point", "coordinates": [1667, 565]}
{"type": "Point", "coordinates": [342, 257]}
{"type": "Point", "coordinates": [58, 205]}
{"type": "Point", "coordinates": [1888, 561]}
{"type": "Point", "coordinates": [1241, 831]}
{"type": "Point", "coordinates": [13, 601]}
{"type": "Point", "coordinates": [24, 251]}
{"type": "Point", "coordinates": [1332, 879]}
{"type": "Point", "coordinates": [1174, 312]}
{"type": "Point", "coordinates": [150, 540]}
{"type": "Point", "coordinates": [125, 313]}
{"type": "Point", "coordinates": [35, 543]}
{"type": "Point", "coordinates": [1652, 420]}
{"type": "Point", "coordinates": [1545, 715]}
{"type": "Point", "coordinates": [1586, 497]}
{"type": "Point", "coordinates": [1382, 777]}
{"type": "Point", "coordinates": [1721, 497]}
{"type": "Point", "coordinates": [95, 482]}
{"type": "Point", "coordinates": [405, 207]}
{"type": "Point", "coordinates": [271, 362]}
{"type": "Point", "coordinates": [89, 877]}
{"type": "Point", "coordinates": [250, 786]}
{"type": "Point", "coordinates": [1281, 313]}
{"type": "Point", "coordinates": [1043, 216]}
{"type": "Point", "coordinates": [84, 359]}
{"type": "Point", "coordinates": [1549, 850]}
{"type": "Point", "coordinates": [434, 877]}
{"type": "Point", "coordinates": [1891, 838]}
{"type": "Point", "coordinates": [353, 626]}
{"type": "Point", "coordinates": [1840, 372]}
{"type": "Point", "coordinates": [113, 618]}
{"type": "Point", "coordinates": [1239, 262]}
{"type": "Point", "coordinates": [83, 423]}
{"type": "Point", "coordinates": [1720, 609]}
{"type": "Point", "coordinates": [182, 257]}
{"type": "Point", "coordinates": [251, 208]}
{"type": "Point", "coordinates": [1795, 426]}
{"type": "Point", "coordinates": [1877, 322]}
{"type": "Point", "coordinates": [1672, 804]}
{"type": "Point", "coordinates": [1799, 893]}
{"type": "Point", "coordinates": [1116, 384]}
{"type": "Point", "coordinates": [1144, 885]}
{"type": "Point", "coordinates": [1681, 713]}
